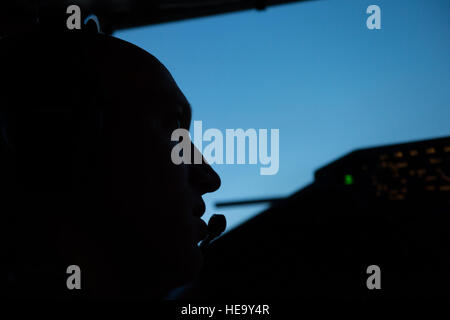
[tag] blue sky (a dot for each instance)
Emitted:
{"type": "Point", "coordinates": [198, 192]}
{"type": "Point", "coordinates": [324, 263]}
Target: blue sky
{"type": "Point", "coordinates": [315, 72]}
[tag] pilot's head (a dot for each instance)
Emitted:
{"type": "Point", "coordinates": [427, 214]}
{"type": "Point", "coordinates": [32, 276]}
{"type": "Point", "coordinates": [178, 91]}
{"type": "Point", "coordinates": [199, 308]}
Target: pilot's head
{"type": "Point", "coordinates": [87, 176]}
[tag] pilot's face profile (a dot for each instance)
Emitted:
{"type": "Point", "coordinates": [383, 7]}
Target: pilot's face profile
{"type": "Point", "coordinates": [136, 233]}
{"type": "Point", "coordinates": [157, 204]}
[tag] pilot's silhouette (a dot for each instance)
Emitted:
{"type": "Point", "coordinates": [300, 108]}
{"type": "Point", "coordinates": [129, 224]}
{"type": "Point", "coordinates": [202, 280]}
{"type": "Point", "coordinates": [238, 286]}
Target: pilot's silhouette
{"type": "Point", "coordinates": [86, 171]}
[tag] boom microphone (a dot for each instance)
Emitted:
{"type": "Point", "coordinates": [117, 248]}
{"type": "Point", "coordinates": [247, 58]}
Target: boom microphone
{"type": "Point", "coordinates": [216, 225]}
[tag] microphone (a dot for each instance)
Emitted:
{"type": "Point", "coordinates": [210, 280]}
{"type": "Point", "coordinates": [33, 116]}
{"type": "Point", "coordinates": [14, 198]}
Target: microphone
{"type": "Point", "coordinates": [216, 225]}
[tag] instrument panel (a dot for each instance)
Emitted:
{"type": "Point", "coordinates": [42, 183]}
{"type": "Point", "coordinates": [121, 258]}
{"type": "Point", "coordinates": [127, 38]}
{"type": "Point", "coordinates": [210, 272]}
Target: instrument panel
{"type": "Point", "coordinates": [409, 171]}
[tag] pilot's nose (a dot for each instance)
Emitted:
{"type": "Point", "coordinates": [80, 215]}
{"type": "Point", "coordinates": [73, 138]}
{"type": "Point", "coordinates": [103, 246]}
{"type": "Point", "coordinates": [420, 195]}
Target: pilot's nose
{"type": "Point", "coordinates": [202, 176]}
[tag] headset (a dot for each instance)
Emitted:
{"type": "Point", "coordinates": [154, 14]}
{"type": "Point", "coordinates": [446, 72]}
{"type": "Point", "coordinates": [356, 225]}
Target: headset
{"type": "Point", "coordinates": [216, 226]}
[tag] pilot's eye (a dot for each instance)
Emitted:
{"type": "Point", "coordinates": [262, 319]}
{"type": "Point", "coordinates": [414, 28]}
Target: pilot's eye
{"type": "Point", "coordinates": [174, 122]}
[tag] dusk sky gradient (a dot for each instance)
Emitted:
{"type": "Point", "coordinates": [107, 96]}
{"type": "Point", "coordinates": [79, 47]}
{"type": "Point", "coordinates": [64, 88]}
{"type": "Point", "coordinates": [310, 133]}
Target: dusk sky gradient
{"type": "Point", "coordinates": [315, 72]}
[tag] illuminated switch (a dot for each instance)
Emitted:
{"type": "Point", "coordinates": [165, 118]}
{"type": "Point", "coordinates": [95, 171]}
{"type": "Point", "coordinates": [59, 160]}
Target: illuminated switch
{"type": "Point", "coordinates": [421, 172]}
{"type": "Point", "coordinates": [402, 165]}
{"type": "Point", "coordinates": [348, 179]}
{"type": "Point", "coordinates": [435, 160]}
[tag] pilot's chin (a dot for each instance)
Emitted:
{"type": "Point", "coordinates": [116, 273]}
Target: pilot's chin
{"type": "Point", "coordinates": [195, 266]}
{"type": "Point", "coordinates": [188, 269]}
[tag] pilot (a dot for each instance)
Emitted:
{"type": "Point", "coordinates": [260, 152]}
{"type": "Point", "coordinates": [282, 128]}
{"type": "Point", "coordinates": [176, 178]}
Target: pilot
{"type": "Point", "coordinates": [86, 173]}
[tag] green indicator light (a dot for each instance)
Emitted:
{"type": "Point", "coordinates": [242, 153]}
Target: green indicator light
{"type": "Point", "coordinates": [348, 179]}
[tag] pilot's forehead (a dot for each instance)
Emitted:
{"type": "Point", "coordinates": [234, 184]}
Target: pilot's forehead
{"type": "Point", "coordinates": [173, 94]}
{"type": "Point", "coordinates": [143, 80]}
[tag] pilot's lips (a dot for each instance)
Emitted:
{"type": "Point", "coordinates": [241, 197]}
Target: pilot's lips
{"type": "Point", "coordinates": [199, 209]}
{"type": "Point", "coordinates": [200, 226]}
{"type": "Point", "coordinates": [201, 229]}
